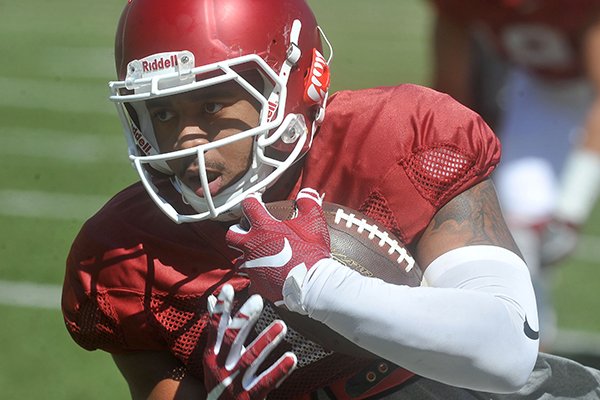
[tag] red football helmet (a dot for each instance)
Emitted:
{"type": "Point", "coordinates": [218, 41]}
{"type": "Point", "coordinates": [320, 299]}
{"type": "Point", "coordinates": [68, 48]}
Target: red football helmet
{"type": "Point", "coordinates": [164, 48]}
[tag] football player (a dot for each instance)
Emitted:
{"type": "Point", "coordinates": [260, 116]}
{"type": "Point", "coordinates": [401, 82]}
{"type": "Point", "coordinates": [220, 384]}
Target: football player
{"type": "Point", "coordinates": [531, 68]}
{"type": "Point", "coordinates": [225, 106]}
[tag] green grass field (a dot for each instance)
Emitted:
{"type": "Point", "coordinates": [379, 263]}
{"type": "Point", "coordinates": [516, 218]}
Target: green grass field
{"type": "Point", "coordinates": [63, 155]}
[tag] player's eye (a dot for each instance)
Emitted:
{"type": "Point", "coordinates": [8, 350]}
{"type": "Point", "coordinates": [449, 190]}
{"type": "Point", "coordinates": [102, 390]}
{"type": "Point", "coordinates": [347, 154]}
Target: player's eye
{"type": "Point", "coordinates": [212, 108]}
{"type": "Point", "coordinates": [163, 115]}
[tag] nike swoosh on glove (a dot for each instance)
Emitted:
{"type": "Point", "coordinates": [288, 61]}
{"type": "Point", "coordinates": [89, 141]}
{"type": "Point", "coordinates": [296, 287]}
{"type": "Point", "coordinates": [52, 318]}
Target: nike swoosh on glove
{"type": "Point", "coordinates": [229, 367]}
{"type": "Point", "coordinates": [278, 255]}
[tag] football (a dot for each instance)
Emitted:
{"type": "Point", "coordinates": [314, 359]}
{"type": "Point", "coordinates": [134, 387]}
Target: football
{"type": "Point", "coordinates": [360, 243]}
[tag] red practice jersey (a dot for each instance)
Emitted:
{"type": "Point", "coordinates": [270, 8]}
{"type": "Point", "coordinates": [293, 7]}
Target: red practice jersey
{"type": "Point", "coordinates": [545, 37]}
{"type": "Point", "coordinates": [137, 281]}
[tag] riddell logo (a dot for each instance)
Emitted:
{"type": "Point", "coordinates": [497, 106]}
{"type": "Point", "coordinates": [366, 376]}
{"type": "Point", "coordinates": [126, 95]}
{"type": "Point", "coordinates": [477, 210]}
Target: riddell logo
{"type": "Point", "coordinates": [159, 63]}
{"type": "Point", "coordinates": [142, 143]}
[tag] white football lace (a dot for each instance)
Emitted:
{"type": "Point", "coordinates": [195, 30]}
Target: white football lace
{"type": "Point", "coordinates": [375, 232]}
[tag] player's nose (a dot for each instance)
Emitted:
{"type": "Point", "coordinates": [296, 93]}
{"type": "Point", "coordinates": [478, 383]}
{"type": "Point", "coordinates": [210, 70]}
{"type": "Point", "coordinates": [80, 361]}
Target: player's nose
{"type": "Point", "coordinates": [191, 136]}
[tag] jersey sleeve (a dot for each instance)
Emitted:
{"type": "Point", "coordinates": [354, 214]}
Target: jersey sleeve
{"type": "Point", "coordinates": [398, 154]}
{"type": "Point", "coordinates": [447, 149]}
{"type": "Point", "coordinates": [103, 307]}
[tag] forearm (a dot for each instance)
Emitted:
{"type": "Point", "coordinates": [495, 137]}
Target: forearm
{"type": "Point", "coordinates": [468, 331]}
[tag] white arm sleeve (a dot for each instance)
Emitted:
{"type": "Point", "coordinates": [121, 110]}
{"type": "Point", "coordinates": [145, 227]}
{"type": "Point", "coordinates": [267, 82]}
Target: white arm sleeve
{"type": "Point", "coordinates": [475, 326]}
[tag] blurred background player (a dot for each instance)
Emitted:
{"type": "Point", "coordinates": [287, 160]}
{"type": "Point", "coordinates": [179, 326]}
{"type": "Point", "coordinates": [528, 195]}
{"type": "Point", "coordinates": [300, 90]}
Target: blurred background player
{"type": "Point", "coordinates": [531, 68]}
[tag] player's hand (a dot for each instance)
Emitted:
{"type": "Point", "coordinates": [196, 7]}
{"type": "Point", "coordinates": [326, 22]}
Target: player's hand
{"type": "Point", "coordinates": [230, 368]}
{"type": "Point", "coordinates": [558, 241]}
{"type": "Point", "coordinates": [278, 254]}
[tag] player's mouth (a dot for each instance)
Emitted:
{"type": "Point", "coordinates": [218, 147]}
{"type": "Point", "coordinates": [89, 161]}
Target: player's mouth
{"type": "Point", "coordinates": [191, 179]}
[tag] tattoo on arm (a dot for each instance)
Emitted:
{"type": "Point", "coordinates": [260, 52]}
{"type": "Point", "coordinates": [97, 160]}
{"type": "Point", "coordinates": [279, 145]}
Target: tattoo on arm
{"type": "Point", "coordinates": [472, 218]}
